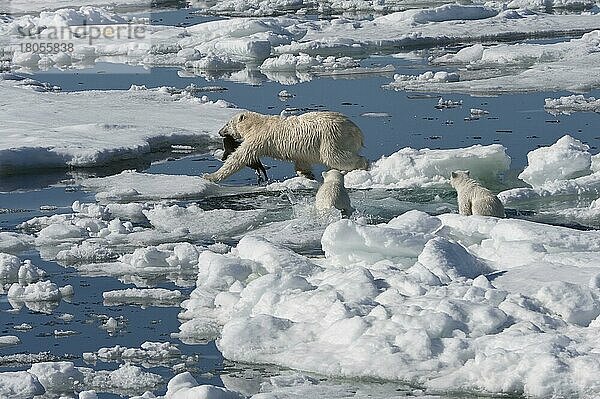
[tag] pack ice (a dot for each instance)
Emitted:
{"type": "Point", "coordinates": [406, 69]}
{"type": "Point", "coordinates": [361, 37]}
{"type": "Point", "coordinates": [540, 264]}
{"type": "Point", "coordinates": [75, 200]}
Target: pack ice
{"type": "Point", "coordinates": [449, 302]}
{"type": "Point", "coordinates": [113, 126]}
{"type": "Point", "coordinates": [289, 50]}
{"type": "Point", "coordinates": [570, 65]}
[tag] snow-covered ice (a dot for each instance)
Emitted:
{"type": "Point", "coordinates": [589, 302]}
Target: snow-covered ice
{"type": "Point", "coordinates": [367, 7]}
{"type": "Point", "coordinates": [57, 377]}
{"type": "Point", "coordinates": [14, 243]}
{"type": "Point", "coordinates": [570, 104]}
{"type": "Point", "coordinates": [410, 167]}
{"type": "Point", "coordinates": [9, 340]}
{"type": "Point", "coordinates": [125, 380]}
{"type": "Point", "coordinates": [185, 385]}
{"type": "Point", "coordinates": [565, 175]}
{"type": "Point", "coordinates": [19, 385]}
{"type": "Point", "coordinates": [566, 159]}
{"type": "Point", "coordinates": [570, 65]}
{"type": "Point", "coordinates": [566, 168]}
{"type": "Point", "coordinates": [419, 299]}
{"type": "Point", "coordinates": [434, 304]}
{"type": "Point", "coordinates": [113, 126]}
{"type": "Point", "coordinates": [145, 297]}
{"type": "Point", "coordinates": [149, 353]}
{"type": "Point", "coordinates": [42, 291]}
{"type": "Point", "coordinates": [27, 6]}
{"type": "Point", "coordinates": [298, 45]}
{"type": "Point", "coordinates": [445, 24]}
{"type": "Point", "coordinates": [130, 186]}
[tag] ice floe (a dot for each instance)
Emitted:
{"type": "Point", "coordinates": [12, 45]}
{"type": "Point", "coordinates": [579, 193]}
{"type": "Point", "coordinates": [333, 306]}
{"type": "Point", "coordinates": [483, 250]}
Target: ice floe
{"type": "Point", "coordinates": [357, 7]}
{"type": "Point", "coordinates": [14, 243]}
{"type": "Point", "coordinates": [432, 299]}
{"type": "Point", "coordinates": [287, 385]}
{"type": "Point", "coordinates": [445, 24]}
{"type": "Point", "coordinates": [79, 236]}
{"type": "Point", "coordinates": [42, 291]}
{"type": "Point", "coordinates": [57, 378]}
{"type": "Point", "coordinates": [25, 284]}
{"type": "Point", "coordinates": [184, 385]}
{"type": "Point", "coordinates": [27, 7]}
{"type": "Point", "coordinates": [565, 175]}
{"type": "Point", "coordinates": [571, 65]}
{"type": "Point", "coordinates": [19, 385]}
{"type": "Point", "coordinates": [145, 297]}
{"type": "Point", "coordinates": [570, 104]}
{"type": "Point", "coordinates": [131, 186]}
{"type": "Point", "coordinates": [410, 167]}
{"type": "Point", "coordinates": [125, 380]}
{"type": "Point", "coordinates": [566, 159]}
{"type": "Point", "coordinates": [287, 48]}
{"type": "Point", "coordinates": [13, 270]}
{"type": "Point", "coordinates": [566, 168]}
{"type": "Point", "coordinates": [113, 126]}
{"type": "Point", "coordinates": [148, 354]}
{"type": "Point", "coordinates": [9, 340]}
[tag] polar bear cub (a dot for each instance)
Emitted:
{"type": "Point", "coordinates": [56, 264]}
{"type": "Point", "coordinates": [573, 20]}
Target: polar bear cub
{"type": "Point", "coordinates": [328, 138]}
{"type": "Point", "coordinates": [333, 194]}
{"type": "Point", "coordinates": [473, 199]}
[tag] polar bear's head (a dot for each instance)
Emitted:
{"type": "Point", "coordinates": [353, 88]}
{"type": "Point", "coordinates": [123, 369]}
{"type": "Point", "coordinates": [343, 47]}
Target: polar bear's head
{"type": "Point", "coordinates": [333, 175]}
{"type": "Point", "coordinates": [233, 128]}
{"type": "Point", "coordinates": [459, 175]}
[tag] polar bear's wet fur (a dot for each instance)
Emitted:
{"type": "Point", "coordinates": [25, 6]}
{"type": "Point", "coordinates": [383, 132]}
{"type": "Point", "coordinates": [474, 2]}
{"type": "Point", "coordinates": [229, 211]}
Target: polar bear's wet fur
{"type": "Point", "coordinates": [328, 138]}
{"type": "Point", "coordinates": [473, 199]}
{"type": "Point", "coordinates": [333, 194]}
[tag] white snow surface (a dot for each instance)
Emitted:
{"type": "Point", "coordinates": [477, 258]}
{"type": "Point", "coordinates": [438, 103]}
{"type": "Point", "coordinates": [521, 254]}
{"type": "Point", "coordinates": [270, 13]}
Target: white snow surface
{"type": "Point", "coordinates": [19, 385]}
{"type": "Point", "coordinates": [149, 352]}
{"type": "Point", "coordinates": [566, 168]}
{"type": "Point", "coordinates": [571, 65]}
{"type": "Point", "coordinates": [566, 159]}
{"type": "Point", "coordinates": [419, 299]}
{"type": "Point", "coordinates": [130, 185]}
{"type": "Point", "coordinates": [9, 340]}
{"type": "Point", "coordinates": [35, 6]}
{"type": "Point", "coordinates": [148, 296]}
{"type": "Point", "coordinates": [297, 43]}
{"type": "Point", "coordinates": [410, 167]}
{"type": "Point", "coordinates": [440, 25]}
{"type": "Point", "coordinates": [570, 104]}
{"type": "Point", "coordinates": [14, 243]}
{"type": "Point", "coordinates": [113, 126]}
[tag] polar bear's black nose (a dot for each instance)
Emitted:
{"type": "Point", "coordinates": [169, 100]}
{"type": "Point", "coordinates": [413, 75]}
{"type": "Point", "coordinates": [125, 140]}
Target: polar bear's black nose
{"type": "Point", "coordinates": [224, 131]}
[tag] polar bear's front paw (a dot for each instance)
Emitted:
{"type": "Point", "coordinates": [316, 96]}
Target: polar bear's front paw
{"type": "Point", "coordinates": [210, 177]}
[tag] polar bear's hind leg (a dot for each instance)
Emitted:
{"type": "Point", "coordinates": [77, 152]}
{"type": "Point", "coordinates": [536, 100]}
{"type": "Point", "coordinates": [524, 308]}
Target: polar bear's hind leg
{"type": "Point", "coordinates": [304, 169]}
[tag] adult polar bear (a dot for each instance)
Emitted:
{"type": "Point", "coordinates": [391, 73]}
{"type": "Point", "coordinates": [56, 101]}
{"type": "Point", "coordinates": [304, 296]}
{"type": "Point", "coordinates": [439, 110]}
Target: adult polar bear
{"type": "Point", "coordinates": [328, 138]}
